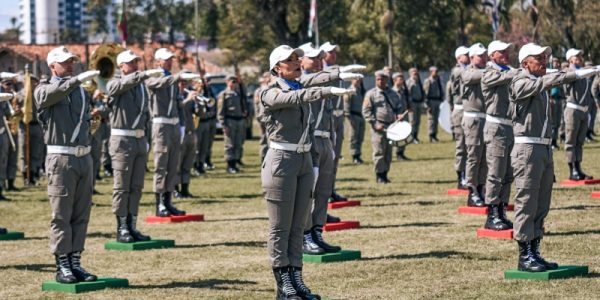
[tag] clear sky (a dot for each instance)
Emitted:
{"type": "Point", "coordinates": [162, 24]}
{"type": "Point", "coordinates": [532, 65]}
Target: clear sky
{"type": "Point", "coordinates": [9, 9]}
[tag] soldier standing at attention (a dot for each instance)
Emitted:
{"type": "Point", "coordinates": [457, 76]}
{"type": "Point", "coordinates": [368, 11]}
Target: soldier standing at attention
{"type": "Point", "coordinates": [167, 131]}
{"type": "Point", "coordinates": [462, 61]}
{"type": "Point", "coordinates": [206, 123]}
{"type": "Point", "coordinates": [579, 99]}
{"type": "Point", "coordinates": [5, 142]}
{"type": "Point", "coordinates": [532, 154]}
{"type": "Point", "coordinates": [8, 86]}
{"type": "Point", "coordinates": [190, 109]}
{"type": "Point", "coordinates": [381, 107]}
{"type": "Point", "coordinates": [232, 112]}
{"type": "Point", "coordinates": [36, 141]}
{"type": "Point", "coordinates": [353, 112]}
{"type": "Point", "coordinates": [472, 123]}
{"type": "Point", "coordinates": [263, 146]}
{"type": "Point", "coordinates": [400, 88]}
{"type": "Point", "coordinates": [498, 133]}
{"type": "Point", "coordinates": [434, 94]}
{"type": "Point", "coordinates": [287, 171]}
{"type": "Point", "coordinates": [128, 101]}
{"type": "Point", "coordinates": [557, 102]}
{"type": "Point", "coordinates": [416, 95]}
{"type": "Point", "coordinates": [64, 110]}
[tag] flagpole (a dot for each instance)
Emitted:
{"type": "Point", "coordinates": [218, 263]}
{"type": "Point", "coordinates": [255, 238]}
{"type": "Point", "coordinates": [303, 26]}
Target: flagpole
{"type": "Point", "coordinates": [316, 25]}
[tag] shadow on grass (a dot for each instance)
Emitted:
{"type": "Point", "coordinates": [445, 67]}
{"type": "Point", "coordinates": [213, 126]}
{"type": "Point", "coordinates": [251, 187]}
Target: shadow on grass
{"type": "Point", "coordinates": [419, 224]}
{"type": "Point", "coordinates": [104, 235]}
{"type": "Point", "coordinates": [575, 232]}
{"type": "Point", "coordinates": [378, 194]}
{"type": "Point", "coordinates": [576, 207]}
{"type": "Point", "coordinates": [432, 181]}
{"type": "Point", "coordinates": [238, 219]}
{"type": "Point", "coordinates": [352, 179]}
{"type": "Point", "coordinates": [431, 158]}
{"type": "Point", "coordinates": [433, 254]}
{"type": "Point", "coordinates": [592, 275]}
{"type": "Point", "coordinates": [44, 268]}
{"type": "Point", "coordinates": [248, 244]}
{"type": "Point", "coordinates": [216, 284]}
{"type": "Point", "coordinates": [35, 238]}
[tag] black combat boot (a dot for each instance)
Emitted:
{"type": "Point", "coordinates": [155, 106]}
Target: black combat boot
{"type": "Point", "coordinates": [400, 154]}
{"type": "Point", "coordinates": [209, 165]}
{"type": "Point", "coordinates": [527, 260]}
{"type": "Point", "coordinates": [481, 191]}
{"type": "Point", "coordinates": [502, 212]}
{"type": "Point", "coordinates": [554, 145]}
{"type": "Point", "coordinates": [317, 237]}
{"type": "Point", "coordinates": [132, 225]}
{"type": "Point", "coordinates": [3, 230]}
{"type": "Point", "coordinates": [461, 184]}
{"type": "Point", "coordinates": [309, 246]}
{"type": "Point", "coordinates": [332, 219]}
{"type": "Point", "coordinates": [169, 205]}
{"type": "Point", "coordinates": [185, 190]}
{"type": "Point", "coordinates": [285, 289]}
{"type": "Point", "coordinates": [161, 209]}
{"type": "Point", "coordinates": [11, 186]}
{"type": "Point", "coordinates": [335, 197]}
{"type": "Point", "coordinates": [231, 169]}
{"type": "Point", "coordinates": [433, 138]}
{"type": "Point", "coordinates": [535, 249]}
{"type": "Point", "coordinates": [200, 168]}
{"type": "Point", "coordinates": [381, 178]}
{"type": "Point", "coordinates": [357, 160]}
{"type": "Point", "coordinates": [80, 273]}
{"type": "Point", "coordinates": [298, 284]}
{"type": "Point", "coordinates": [581, 173]}
{"type": "Point", "coordinates": [474, 199]}
{"type": "Point", "coordinates": [108, 170]}
{"type": "Point", "coordinates": [494, 221]}
{"type": "Point", "coordinates": [123, 234]}
{"type": "Point", "coordinates": [64, 274]}
{"type": "Point", "coordinates": [239, 163]}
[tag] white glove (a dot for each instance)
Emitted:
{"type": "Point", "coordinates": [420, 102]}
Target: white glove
{"type": "Point", "coordinates": [181, 133]}
{"type": "Point", "coordinates": [5, 96]}
{"type": "Point", "coordinates": [350, 76]}
{"type": "Point", "coordinates": [188, 76]}
{"type": "Point", "coordinates": [154, 73]}
{"type": "Point", "coordinates": [548, 71]}
{"type": "Point", "coordinates": [8, 75]}
{"type": "Point", "coordinates": [352, 68]}
{"type": "Point", "coordinates": [584, 73]}
{"type": "Point", "coordinates": [341, 91]}
{"type": "Point", "coordinates": [87, 75]}
{"type": "Point", "coordinates": [332, 154]}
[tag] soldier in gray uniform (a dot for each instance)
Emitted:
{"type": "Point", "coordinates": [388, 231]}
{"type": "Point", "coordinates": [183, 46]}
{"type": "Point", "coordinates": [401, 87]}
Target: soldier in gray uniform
{"type": "Point", "coordinates": [434, 94]}
{"type": "Point", "coordinates": [167, 130]}
{"type": "Point", "coordinates": [64, 111]}
{"type": "Point", "coordinates": [498, 133]}
{"type": "Point", "coordinates": [579, 99]}
{"type": "Point", "coordinates": [596, 94]}
{"type": "Point", "coordinates": [206, 130]}
{"type": "Point", "coordinates": [532, 155]}
{"type": "Point", "coordinates": [417, 97]}
{"type": "Point", "coordinates": [12, 129]}
{"type": "Point", "coordinates": [287, 171]}
{"type": "Point", "coordinates": [382, 106]}
{"type": "Point", "coordinates": [557, 101]}
{"type": "Point", "coordinates": [460, 154]}
{"type": "Point", "coordinates": [353, 112]}
{"type": "Point", "coordinates": [36, 141]}
{"type": "Point", "coordinates": [258, 108]}
{"type": "Point", "coordinates": [473, 123]}
{"type": "Point", "coordinates": [98, 128]}
{"type": "Point", "coordinates": [399, 86]}
{"type": "Point", "coordinates": [5, 142]}
{"type": "Point", "coordinates": [190, 109]}
{"type": "Point", "coordinates": [128, 102]}
{"type": "Point", "coordinates": [232, 112]}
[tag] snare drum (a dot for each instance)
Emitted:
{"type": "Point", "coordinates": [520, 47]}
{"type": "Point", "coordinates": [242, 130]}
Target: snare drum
{"type": "Point", "coordinates": [399, 133]}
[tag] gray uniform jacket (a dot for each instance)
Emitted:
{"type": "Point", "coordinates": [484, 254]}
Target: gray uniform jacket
{"type": "Point", "coordinates": [455, 85]}
{"type": "Point", "coordinates": [164, 97]}
{"type": "Point", "coordinates": [580, 91]}
{"type": "Point", "coordinates": [596, 90]}
{"type": "Point", "coordinates": [230, 105]}
{"type": "Point", "coordinates": [433, 88]}
{"type": "Point", "coordinates": [62, 104]}
{"type": "Point", "coordinates": [531, 113]}
{"type": "Point", "coordinates": [495, 87]}
{"type": "Point", "coordinates": [403, 94]}
{"type": "Point", "coordinates": [415, 90]}
{"type": "Point", "coordinates": [353, 104]}
{"type": "Point", "coordinates": [128, 101]}
{"type": "Point", "coordinates": [382, 106]}
{"type": "Point", "coordinates": [472, 96]}
{"type": "Point", "coordinates": [189, 109]}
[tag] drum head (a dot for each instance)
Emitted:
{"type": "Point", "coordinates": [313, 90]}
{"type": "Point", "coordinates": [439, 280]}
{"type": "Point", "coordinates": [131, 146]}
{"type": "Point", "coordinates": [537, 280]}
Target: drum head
{"type": "Point", "coordinates": [445, 118]}
{"type": "Point", "coordinates": [399, 131]}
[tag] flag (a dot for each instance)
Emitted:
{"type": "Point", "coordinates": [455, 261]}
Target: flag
{"type": "Point", "coordinates": [312, 19]}
{"type": "Point", "coordinates": [122, 22]}
{"type": "Point", "coordinates": [28, 100]}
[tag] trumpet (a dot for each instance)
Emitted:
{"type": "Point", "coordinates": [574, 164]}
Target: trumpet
{"type": "Point", "coordinates": [202, 100]}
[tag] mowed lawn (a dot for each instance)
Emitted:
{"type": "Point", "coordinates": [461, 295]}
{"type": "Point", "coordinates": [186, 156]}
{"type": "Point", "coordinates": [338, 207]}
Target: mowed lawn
{"type": "Point", "coordinates": [414, 244]}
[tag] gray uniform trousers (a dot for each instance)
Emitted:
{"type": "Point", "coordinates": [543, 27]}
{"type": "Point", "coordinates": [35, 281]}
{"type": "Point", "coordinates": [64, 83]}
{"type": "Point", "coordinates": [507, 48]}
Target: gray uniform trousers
{"type": "Point", "coordinates": [4, 146]}
{"type": "Point", "coordinates": [70, 194]}
{"type": "Point", "coordinates": [287, 179]}
{"type": "Point", "coordinates": [13, 158]}
{"type": "Point", "coordinates": [415, 117]}
{"type": "Point", "coordinates": [576, 126]}
{"type": "Point", "coordinates": [338, 124]}
{"type": "Point", "coordinates": [263, 144]}
{"type": "Point", "coordinates": [202, 141]}
{"type": "Point", "coordinates": [476, 166]}
{"type": "Point", "coordinates": [534, 175]}
{"type": "Point", "coordinates": [188, 154]}
{"type": "Point", "coordinates": [36, 147]}
{"type": "Point", "coordinates": [557, 112]}
{"type": "Point", "coordinates": [561, 129]}
{"type": "Point", "coordinates": [166, 146]}
{"type": "Point", "coordinates": [235, 139]}
{"type": "Point", "coordinates": [593, 112]}
{"type": "Point", "coordinates": [212, 131]}
{"type": "Point", "coordinates": [357, 133]}
{"type": "Point", "coordinates": [104, 132]}
{"type": "Point", "coordinates": [129, 156]}
{"type": "Point", "coordinates": [382, 151]}
{"type": "Point", "coordinates": [324, 184]}
{"type": "Point", "coordinates": [96, 153]}
{"type": "Point", "coordinates": [460, 153]}
{"type": "Point", "coordinates": [499, 141]}
{"type": "Point", "coordinates": [433, 116]}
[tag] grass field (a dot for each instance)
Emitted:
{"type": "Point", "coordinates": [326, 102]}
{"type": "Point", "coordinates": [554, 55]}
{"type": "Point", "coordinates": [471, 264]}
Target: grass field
{"type": "Point", "coordinates": [413, 242]}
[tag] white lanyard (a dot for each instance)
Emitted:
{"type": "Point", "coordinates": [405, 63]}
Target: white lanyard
{"type": "Point", "coordinates": [171, 101]}
{"type": "Point", "coordinates": [78, 127]}
{"type": "Point", "coordinates": [137, 120]}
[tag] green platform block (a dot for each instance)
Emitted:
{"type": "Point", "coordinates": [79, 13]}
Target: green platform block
{"type": "Point", "coordinates": [342, 255]}
{"type": "Point", "coordinates": [135, 246]}
{"type": "Point", "coordinates": [114, 283]}
{"type": "Point", "coordinates": [561, 272]}
{"type": "Point", "coordinates": [75, 288]}
{"type": "Point", "coordinates": [12, 235]}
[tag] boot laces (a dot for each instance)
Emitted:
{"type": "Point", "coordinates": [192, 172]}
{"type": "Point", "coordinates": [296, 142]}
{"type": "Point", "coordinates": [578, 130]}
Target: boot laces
{"type": "Point", "coordinates": [76, 262]}
{"type": "Point", "coordinates": [319, 236]}
{"type": "Point", "coordinates": [286, 284]}
{"type": "Point", "coordinates": [300, 282]}
{"type": "Point", "coordinates": [63, 266]}
{"type": "Point", "coordinates": [309, 240]}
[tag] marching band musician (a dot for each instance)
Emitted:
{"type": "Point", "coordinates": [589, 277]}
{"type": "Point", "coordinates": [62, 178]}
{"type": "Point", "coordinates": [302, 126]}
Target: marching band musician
{"type": "Point", "coordinates": [462, 62]}
{"type": "Point", "coordinates": [189, 142]}
{"type": "Point", "coordinates": [5, 142]}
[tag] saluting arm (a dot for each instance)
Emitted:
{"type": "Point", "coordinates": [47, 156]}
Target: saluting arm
{"type": "Point", "coordinates": [47, 95]}
{"type": "Point", "coordinates": [275, 98]}
{"type": "Point", "coordinates": [161, 82]}
{"type": "Point", "coordinates": [496, 78]}
{"type": "Point", "coordinates": [471, 76]}
{"type": "Point", "coordinates": [320, 78]}
{"type": "Point", "coordinates": [118, 86]}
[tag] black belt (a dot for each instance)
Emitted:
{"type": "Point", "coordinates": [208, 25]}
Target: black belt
{"type": "Point", "coordinates": [234, 118]}
{"type": "Point", "coordinates": [356, 113]}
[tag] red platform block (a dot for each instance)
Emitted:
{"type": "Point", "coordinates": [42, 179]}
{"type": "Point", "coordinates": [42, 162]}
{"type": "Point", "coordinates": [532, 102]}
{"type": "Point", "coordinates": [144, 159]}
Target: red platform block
{"type": "Point", "coordinates": [343, 225]}
{"type": "Point", "coordinates": [568, 182]}
{"type": "Point", "coordinates": [495, 234]}
{"type": "Point", "coordinates": [340, 204]}
{"type": "Point", "coordinates": [472, 210]}
{"type": "Point", "coordinates": [458, 192]}
{"type": "Point", "coordinates": [174, 219]}
{"type": "Point", "coordinates": [596, 195]}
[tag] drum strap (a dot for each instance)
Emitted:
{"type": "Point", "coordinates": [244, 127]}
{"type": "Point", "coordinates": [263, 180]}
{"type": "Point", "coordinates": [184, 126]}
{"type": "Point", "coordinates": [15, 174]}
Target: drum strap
{"type": "Point", "coordinates": [387, 100]}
